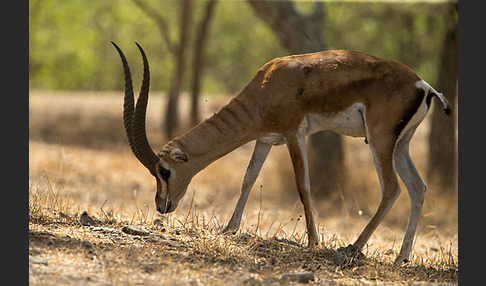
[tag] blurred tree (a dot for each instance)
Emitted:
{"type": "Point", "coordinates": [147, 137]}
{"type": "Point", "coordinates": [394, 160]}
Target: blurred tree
{"type": "Point", "coordinates": [197, 63]}
{"type": "Point", "coordinates": [178, 51]}
{"type": "Point", "coordinates": [69, 41]}
{"type": "Point", "coordinates": [442, 144]}
{"type": "Point", "coordinates": [301, 33]}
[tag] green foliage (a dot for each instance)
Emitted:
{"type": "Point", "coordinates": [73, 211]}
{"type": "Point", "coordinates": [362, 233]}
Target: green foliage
{"type": "Point", "coordinates": [69, 41]}
{"type": "Point", "coordinates": [239, 44]}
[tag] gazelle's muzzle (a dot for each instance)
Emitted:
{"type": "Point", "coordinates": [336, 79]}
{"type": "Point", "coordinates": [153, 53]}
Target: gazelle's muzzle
{"type": "Point", "coordinates": [164, 206]}
{"type": "Point", "coordinates": [162, 202]}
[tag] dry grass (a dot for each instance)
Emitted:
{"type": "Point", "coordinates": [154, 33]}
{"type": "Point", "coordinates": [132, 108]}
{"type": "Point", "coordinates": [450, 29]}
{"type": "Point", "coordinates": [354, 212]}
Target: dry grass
{"type": "Point", "coordinates": [79, 161]}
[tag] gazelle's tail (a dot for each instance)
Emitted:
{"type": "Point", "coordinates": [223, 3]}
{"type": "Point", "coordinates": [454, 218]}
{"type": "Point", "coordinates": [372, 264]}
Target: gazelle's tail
{"type": "Point", "coordinates": [432, 92]}
{"type": "Point", "coordinates": [441, 97]}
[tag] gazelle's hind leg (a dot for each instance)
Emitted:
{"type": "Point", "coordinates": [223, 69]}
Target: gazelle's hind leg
{"type": "Point", "coordinates": [416, 189]}
{"type": "Point", "coordinates": [260, 153]}
{"type": "Point", "coordinates": [382, 148]}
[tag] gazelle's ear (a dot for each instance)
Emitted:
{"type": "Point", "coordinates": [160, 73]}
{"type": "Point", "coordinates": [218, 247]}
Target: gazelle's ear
{"type": "Point", "coordinates": [178, 156]}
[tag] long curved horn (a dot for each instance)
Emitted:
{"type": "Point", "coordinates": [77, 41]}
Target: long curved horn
{"type": "Point", "coordinates": [134, 118]}
{"type": "Point", "coordinates": [147, 156]}
{"type": "Point", "coordinates": [128, 104]}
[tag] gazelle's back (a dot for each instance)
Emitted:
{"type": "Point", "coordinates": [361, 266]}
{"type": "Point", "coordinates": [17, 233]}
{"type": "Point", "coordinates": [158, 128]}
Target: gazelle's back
{"type": "Point", "coordinates": [326, 83]}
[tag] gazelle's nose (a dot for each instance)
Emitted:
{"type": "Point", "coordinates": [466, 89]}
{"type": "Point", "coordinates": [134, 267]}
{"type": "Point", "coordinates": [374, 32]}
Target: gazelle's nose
{"type": "Point", "coordinates": [161, 208]}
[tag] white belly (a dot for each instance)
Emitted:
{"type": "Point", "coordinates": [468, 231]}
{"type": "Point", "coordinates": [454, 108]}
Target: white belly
{"type": "Point", "coordinates": [273, 139]}
{"type": "Point", "coordinates": [348, 122]}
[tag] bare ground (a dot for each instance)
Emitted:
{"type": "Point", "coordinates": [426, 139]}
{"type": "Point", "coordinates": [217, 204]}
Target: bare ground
{"type": "Point", "coordinates": [63, 251]}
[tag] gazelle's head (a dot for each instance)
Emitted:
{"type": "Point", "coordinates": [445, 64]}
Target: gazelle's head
{"type": "Point", "coordinates": [168, 166]}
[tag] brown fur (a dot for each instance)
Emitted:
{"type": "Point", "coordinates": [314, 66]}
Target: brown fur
{"type": "Point", "coordinates": [286, 89]}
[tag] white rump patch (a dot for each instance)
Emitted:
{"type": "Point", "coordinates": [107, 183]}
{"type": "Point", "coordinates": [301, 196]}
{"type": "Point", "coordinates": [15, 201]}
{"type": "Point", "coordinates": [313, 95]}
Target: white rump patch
{"type": "Point", "coordinates": [425, 86]}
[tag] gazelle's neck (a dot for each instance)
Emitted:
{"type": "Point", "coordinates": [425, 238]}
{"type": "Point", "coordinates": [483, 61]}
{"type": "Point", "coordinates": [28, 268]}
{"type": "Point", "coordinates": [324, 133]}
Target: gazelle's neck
{"type": "Point", "coordinates": [234, 125]}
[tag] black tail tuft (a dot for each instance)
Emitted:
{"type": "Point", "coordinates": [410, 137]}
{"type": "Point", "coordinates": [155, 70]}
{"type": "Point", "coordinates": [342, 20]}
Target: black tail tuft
{"type": "Point", "coordinates": [447, 110]}
{"type": "Point", "coordinates": [441, 97]}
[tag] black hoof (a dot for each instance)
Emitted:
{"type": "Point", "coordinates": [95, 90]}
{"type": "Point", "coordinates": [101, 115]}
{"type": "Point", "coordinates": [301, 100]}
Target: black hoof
{"type": "Point", "coordinates": [347, 255]}
{"type": "Point", "coordinates": [351, 251]}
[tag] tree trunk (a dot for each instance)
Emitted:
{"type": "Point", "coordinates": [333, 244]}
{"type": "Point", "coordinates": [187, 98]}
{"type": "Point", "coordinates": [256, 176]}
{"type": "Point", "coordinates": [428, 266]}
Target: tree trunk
{"type": "Point", "coordinates": [177, 50]}
{"type": "Point", "coordinates": [171, 119]}
{"type": "Point", "coordinates": [302, 34]}
{"type": "Point", "coordinates": [442, 145]}
{"type": "Point", "coordinates": [198, 61]}
{"type": "Point", "coordinates": [297, 33]}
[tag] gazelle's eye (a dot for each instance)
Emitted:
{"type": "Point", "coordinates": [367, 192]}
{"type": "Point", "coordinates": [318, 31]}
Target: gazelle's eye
{"type": "Point", "coordinates": [165, 174]}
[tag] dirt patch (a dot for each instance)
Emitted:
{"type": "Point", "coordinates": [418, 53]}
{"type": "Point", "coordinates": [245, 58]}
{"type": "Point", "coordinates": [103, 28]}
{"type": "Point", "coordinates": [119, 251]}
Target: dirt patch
{"type": "Point", "coordinates": [63, 251]}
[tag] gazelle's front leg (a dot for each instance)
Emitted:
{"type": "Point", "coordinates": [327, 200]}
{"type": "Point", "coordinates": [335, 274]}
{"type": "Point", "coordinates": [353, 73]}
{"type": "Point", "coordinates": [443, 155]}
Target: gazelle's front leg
{"type": "Point", "coordinates": [260, 153]}
{"type": "Point", "coordinates": [298, 154]}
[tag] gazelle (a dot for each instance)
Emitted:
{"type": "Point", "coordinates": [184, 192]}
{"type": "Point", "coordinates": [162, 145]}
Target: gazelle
{"type": "Point", "coordinates": [347, 92]}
